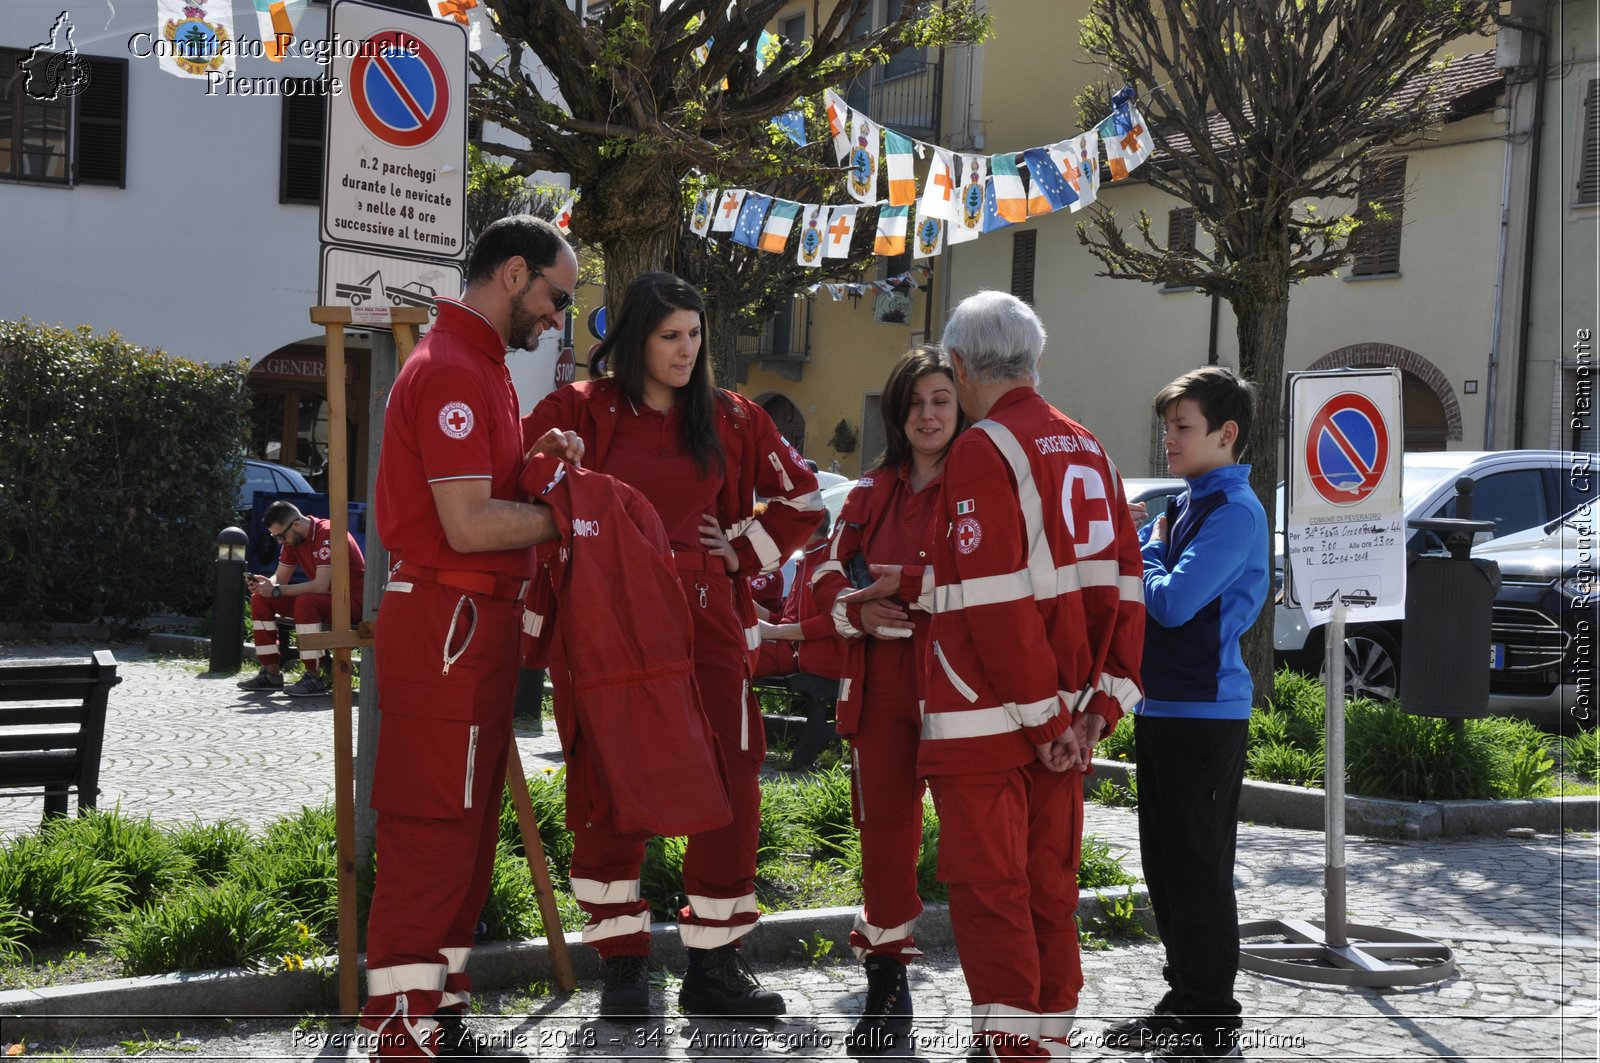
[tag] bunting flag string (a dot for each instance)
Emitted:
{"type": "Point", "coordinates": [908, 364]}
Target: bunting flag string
{"type": "Point", "coordinates": [962, 196]}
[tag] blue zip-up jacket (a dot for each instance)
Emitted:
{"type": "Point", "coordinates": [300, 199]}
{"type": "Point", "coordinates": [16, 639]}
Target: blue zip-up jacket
{"type": "Point", "coordinates": [1203, 588]}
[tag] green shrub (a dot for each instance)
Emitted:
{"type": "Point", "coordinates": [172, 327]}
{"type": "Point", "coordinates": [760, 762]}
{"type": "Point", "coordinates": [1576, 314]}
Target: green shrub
{"type": "Point", "coordinates": [1117, 795]}
{"type": "Point", "coordinates": [1099, 868]}
{"type": "Point", "coordinates": [15, 931]}
{"type": "Point", "coordinates": [296, 864]}
{"type": "Point", "coordinates": [213, 847]}
{"type": "Point", "coordinates": [118, 466]}
{"type": "Point", "coordinates": [822, 813]}
{"type": "Point", "coordinates": [146, 858]}
{"type": "Point", "coordinates": [1520, 763]}
{"type": "Point", "coordinates": [661, 876]}
{"type": "Point", "coordinates": [928, 884]}
{"type": "Point", "coordinates": [64, 894]}
{"type": "Point", "coordinates": [1118, 745]}
{"type": "Point", "coordinates": [1391, 753]}
{"type": "Point", "coordinates": [547, 790]}
{"type": "Point", "coordinates": [512, 911]}
{"type": "Point", "coordinates": [1285, 763]}
{"type": "Point", "coordinates": [230, 924]}
{"type": "Point", "coordinates": [1581, 752]}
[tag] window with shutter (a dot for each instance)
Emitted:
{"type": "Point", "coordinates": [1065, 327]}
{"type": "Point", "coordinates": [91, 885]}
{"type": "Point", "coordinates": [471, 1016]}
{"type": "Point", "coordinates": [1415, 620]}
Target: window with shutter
{"type": "Point", "coordinates": [1023, 245]}
{"type": "Point", "coordinates": [304, 129]}
{"type": "Point", "coordinates": [35, 117]}
{"type": "Point", "coordinates": [63, 123]}
{"type": "Point", "coordinates": [1375, 247]}
{"type": "Point", "coordinates": [1180, 238]}
{"type": "Point", "coordinates": [102, 127]}
{"type": "Point", "coordinates": [1589, 165]}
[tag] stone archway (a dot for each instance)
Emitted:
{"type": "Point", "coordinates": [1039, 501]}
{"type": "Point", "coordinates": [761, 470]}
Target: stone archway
{"type": "Point", "coordinates": [787, 416]}
{"type": "Point", "coordinates": [1432, 412]}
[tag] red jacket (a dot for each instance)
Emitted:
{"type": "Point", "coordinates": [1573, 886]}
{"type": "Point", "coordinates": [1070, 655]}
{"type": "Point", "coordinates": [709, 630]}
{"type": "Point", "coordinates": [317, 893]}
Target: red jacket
{"type": "Point", "coordinates": [623, 664]}
{"type": "Point", "coordinates": [1038, 591]}
{"type": "Point", "coordinates": [759, 462]}
{"type": "Point", "coordinates": [858, 521]}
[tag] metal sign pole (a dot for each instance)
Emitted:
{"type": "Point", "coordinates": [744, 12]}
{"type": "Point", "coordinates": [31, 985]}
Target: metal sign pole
{"type": "Point", "coordinates": [1335, 951]}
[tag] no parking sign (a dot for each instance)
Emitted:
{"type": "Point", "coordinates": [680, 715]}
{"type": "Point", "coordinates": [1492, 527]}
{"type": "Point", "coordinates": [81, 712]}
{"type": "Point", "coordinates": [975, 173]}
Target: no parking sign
{"type": "Point", "coordinates": [396, 164]}
{"type": "Point", "coordinates": [1344, 525]}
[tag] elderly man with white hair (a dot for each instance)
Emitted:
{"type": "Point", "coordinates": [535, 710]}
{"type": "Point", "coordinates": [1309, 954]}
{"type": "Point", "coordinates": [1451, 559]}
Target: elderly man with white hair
{"type": "Point", "coordinates": [1036, 637]}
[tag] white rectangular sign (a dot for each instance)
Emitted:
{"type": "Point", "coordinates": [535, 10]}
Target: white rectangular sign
{"type": "Point", "coordinates": [395, 175]}
{"type": "Point", "coordinates": [1344, 527]}
{"type": "Point", "coordinates": [365, 281]}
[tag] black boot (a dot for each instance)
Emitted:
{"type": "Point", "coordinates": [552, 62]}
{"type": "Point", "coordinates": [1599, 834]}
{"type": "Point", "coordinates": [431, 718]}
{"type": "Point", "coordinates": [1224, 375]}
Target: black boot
{"type": "Point", "coordinates": [885, 1026]}
{"type": "Point", "coordinates": [719, 983]}
{"type": "Point", "coordinates": [626, 993]}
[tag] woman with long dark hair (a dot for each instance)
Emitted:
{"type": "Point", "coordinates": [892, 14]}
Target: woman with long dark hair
{"type": "Point", "coordinates": [700, 455]}
{"type": "Point", "coordinates": [885, 521]}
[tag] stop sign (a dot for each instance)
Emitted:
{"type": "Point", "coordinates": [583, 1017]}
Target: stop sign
{"type": "Point", "coordinates": [566, 367]}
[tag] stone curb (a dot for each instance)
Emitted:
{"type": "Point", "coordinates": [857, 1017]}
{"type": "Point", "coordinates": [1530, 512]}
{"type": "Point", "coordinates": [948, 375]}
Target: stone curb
{"type": "Point", "coordinates": [780, 938]}
{"type": "Point", "coordinates": [1302, 808]}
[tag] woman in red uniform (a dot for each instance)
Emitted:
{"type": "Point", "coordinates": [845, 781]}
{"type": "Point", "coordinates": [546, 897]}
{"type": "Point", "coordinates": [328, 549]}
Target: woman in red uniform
{"type": "Point", "coordinates": [885, 521]}
{"type": "Point", "coordinates": [700, 455]}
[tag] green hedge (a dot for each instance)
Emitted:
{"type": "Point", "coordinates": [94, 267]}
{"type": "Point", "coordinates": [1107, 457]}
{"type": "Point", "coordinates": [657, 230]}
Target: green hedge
{"type": "Point", "coordinates": [118, 466]}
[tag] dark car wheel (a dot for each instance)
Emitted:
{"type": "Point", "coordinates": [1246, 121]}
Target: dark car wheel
{"type": "Point", "coordinates": [1371, 665]}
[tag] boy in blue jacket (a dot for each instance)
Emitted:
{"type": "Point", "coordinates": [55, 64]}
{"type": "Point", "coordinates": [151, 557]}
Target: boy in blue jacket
{"type": "Point", "coordinates": [1206, 578]}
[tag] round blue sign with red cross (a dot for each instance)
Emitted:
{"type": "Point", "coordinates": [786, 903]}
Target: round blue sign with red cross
{"type": "Point", "coordinates": [1347, 449]}
{"type": "Point", "coordinates": [399, 89]}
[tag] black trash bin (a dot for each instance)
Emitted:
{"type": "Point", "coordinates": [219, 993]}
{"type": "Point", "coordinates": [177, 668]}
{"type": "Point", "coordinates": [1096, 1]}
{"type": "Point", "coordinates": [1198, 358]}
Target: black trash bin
{"type": "Point", "coordinates": [1446, 634]}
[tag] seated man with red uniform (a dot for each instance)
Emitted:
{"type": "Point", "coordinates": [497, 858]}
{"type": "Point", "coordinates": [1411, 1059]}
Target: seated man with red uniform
{"type": "Point", "coordinates": [306, 546]}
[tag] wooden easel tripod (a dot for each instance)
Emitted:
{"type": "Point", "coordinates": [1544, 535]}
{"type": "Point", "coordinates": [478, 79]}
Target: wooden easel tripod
{"type": "Point", "coordinates": [341, 638]}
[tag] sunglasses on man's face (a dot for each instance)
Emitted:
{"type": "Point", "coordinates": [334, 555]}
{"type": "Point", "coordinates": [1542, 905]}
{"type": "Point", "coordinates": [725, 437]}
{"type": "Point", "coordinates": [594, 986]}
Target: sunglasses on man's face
{"type": "Point", "coordinates": [560, 298]}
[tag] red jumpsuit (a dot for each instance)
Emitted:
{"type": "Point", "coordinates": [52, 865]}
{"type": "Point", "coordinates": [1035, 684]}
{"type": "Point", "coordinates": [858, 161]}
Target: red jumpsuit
{"type": "Point", "coordinates": [1039, 615]}
{"type": "Point", "coordinates": [310, 612]}
{"type": "Point", "coordinates": [643, 448]}
{"type": "Point", "coordinates": [878, 709]}
{"type": "Point", "coordinates": [447, 669]}
{"type": "Point", "coordinates": [820, 650]}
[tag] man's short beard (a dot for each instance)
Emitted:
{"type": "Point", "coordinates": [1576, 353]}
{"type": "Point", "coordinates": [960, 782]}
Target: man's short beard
{"type": "Point", "coordinates": [524, 328]}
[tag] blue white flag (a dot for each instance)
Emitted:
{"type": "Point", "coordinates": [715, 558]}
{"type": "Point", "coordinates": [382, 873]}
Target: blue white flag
{"type": "Point", "coordinates": [1048, 190]}
{"type": "Point", "coordinates": [793, 123]}
{"type": "Point", "coordinates": [752, 214]}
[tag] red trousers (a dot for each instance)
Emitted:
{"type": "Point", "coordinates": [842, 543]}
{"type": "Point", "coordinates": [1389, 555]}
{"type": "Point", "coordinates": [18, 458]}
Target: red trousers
{"type": "Point", "coordinates": [310, 612]}
{"type": "Point", "coordinates": [1009, 845]}
{"type": "Point", "coordinates": [447, 670]}
{"type": "Point", "coordinates": [719, 866]}
{"type": "Point", "coordinates": [887, 802]}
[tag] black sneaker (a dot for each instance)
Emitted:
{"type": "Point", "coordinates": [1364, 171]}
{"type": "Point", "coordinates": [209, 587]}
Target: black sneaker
{"type": "Point", "coordinates": [719, 982]}
{"type": "Point", "coordinates": [263, 680]}
{"type": "Point", "coordinates": [1146, 1031]}
{"type": "Point", "coordinates": [311, 685]}
{"type": "Point", "coordinates": [885, 1026]}
{"type": "Point", "coordinates": [626, 993]}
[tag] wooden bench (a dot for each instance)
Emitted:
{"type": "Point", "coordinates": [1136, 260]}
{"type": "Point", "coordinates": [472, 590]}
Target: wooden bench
{"type": "Point", "coordinates": [52, 725]}
{"type": "Point", "coordinates": [813, 698]}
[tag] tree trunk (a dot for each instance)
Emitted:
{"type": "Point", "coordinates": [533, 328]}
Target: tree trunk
{"type": "Point", "coordinates": [1263, 325]}
{"type": "Point", "coordinates": [627, 256]}
{"type": "Point", "coordinates": [722, 342]}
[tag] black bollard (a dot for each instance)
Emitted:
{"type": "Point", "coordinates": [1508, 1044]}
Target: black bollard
{"type": "Point", "coordinates": [227, 601]}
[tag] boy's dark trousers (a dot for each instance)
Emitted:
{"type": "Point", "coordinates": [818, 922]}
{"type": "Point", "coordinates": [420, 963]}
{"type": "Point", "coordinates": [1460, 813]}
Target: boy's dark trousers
{"type": "Point", "coordinates": [1189, 776]}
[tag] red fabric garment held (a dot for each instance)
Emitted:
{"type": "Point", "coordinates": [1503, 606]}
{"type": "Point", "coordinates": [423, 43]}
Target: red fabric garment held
{"type": "Point", "coordinates": [630, 701]}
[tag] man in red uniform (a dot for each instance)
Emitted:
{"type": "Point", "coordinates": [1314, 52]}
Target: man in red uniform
{"type": "Point", "coordinates": [306, 546]}
{"type": "Point", "coordinates": [450, 510]}
{"type": "Point", "coordinates": [1038, 626]}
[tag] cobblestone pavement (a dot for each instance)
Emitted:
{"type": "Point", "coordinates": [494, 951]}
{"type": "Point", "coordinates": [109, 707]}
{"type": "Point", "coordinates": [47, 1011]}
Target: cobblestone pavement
{"type": "Point", "coordinates": [1520, 913]}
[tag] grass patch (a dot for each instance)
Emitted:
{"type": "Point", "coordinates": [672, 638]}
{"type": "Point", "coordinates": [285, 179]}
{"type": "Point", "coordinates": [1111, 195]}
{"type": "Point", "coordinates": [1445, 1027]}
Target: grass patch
{"type": "Point", "coordinates": [83, 895]}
